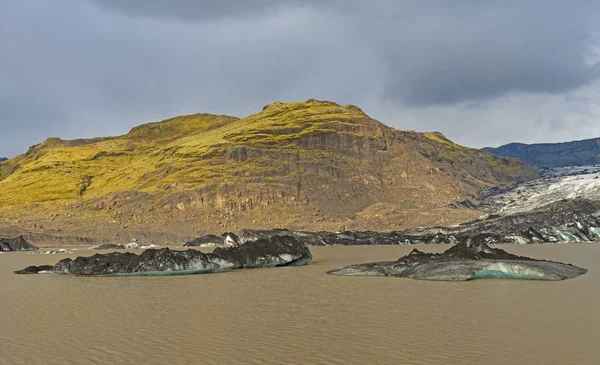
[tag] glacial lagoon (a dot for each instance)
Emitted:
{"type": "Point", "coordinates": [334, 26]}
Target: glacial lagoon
{"type": "Point", "coordinates": [301, 315]}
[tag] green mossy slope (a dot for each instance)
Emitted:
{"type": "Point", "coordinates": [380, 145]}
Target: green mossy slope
{"type": "Point", "coordinates": [291, 163]}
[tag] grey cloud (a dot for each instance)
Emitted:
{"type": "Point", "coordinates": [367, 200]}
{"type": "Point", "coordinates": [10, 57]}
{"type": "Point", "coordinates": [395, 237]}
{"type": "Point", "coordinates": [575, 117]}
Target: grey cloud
{"type": "Point", "coordinates": [108, 72]}
{"type": "Point", "coordinates": [440, 52]}
{"type": "Point", "coordinates": [464, 51]}
{"type": "Point", "coordinates": [81, 68]}
{"type": "Point", "coordinates": [194, 10]}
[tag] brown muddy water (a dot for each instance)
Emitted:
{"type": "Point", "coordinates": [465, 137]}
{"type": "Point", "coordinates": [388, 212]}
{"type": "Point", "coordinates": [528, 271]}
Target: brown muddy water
{"type": "Point", "coordinates": [300, 315]}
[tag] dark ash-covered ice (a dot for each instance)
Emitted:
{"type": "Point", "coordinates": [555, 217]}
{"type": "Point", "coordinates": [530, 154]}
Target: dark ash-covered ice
{"type": "Point", "coordinates": [277, 251]}
{"type": "Point", "coordinates": [468, 260]}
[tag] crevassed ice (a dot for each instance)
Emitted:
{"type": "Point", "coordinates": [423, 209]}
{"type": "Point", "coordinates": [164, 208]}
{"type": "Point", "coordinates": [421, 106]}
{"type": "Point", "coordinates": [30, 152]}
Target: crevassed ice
{"type": "Point", "coordinates": [568, 236]}
{"type": "Point", "coordinates": [595, 231]}
{"type": "Point", "coordinates": [518, 239]}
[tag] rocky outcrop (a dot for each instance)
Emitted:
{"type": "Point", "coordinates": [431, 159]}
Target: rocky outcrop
{"type": "Point", "coordinates": [18, 243]}
{"type": "Point", "coordinates": [468, 260]}
{"type": "Point", "coordinates": [278, 251]}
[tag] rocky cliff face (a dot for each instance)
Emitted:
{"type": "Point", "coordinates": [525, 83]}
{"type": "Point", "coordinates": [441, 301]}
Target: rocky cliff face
{"type": "Point", "coordinates": [313, 165]}
{"type": "Point", "coordinates": [576, 153]}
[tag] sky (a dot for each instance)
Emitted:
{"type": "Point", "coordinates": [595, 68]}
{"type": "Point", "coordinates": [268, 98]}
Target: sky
{"type": "Point", "coordinates": [483, 72]}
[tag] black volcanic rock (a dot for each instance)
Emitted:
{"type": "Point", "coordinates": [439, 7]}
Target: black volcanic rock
{"type": "Point", "coordinates": [18, 243]}
{"type": "Point", "coordinates": [576, 153]}
{"type": "Point", "coordinates": [468, 260]}
{"type": "Point", "coordinates": [279, 251]}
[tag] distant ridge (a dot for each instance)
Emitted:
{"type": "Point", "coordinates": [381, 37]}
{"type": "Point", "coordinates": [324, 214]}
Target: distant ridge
{"type": "Point", "coordinates": [576, 153]}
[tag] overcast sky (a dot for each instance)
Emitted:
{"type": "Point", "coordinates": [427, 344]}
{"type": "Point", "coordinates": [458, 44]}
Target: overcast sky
{"type": "Point", "coordinates": [484, 73]}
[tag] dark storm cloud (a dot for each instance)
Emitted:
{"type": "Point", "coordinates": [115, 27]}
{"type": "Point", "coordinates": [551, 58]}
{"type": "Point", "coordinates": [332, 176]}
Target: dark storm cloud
{"type": "Point", "coordinates": [440, 52]}
{"type": "Point", "coordinates": [449, 53]}
{"type": "Point", "coordinates": [81, 68]}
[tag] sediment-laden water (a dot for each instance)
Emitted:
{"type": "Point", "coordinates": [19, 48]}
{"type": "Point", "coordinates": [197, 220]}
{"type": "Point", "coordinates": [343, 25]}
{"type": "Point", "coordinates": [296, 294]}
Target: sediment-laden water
{"type": "Point", "coordinates": [301, 315]}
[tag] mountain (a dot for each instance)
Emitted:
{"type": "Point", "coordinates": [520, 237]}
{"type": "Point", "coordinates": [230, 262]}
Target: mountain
{"type": "Point", "coordinates": [305, 165]}
{"type": "Point", "coordinates": [2, 159]}
{"type": "Point", "coordinates": [577, 153]}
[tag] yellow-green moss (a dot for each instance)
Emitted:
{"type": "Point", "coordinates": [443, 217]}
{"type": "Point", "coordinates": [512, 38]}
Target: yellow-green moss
{"type": "Point", "coordinates": [190, 149]}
